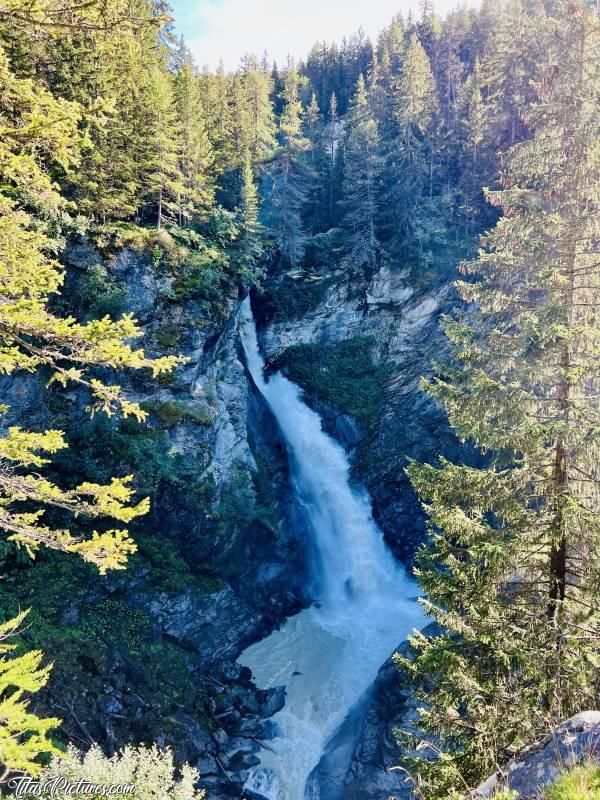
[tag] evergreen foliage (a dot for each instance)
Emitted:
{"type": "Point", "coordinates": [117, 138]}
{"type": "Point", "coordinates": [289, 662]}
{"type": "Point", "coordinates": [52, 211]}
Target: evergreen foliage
{"type": "Point", "coordinates": [364, 155]}
{"type": "Point", "coordinates": [149, 770]}
{"type": "Point", "coordinates": [362, 180]}
{"type": "Point", "coordinates": [511, 572]}
{"type": "Point", "coordinates": [288, 173]}
{"type": "Point", "coordinates": [23, 736]}
{"type": "Point", "coordinates": [346, 374]}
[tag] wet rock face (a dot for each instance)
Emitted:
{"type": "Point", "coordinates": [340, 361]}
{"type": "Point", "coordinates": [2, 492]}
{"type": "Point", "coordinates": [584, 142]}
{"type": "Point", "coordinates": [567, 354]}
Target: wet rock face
{"type": "Point", "coordinates": [363, 761]}
{"type": "Point", "coordinates": [224, 755]}
{"type": "Point", "coordinates": [541, 764]}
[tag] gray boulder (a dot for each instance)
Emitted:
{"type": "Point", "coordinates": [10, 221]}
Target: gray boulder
{"type": "Point", "coordinates": [542, 763]}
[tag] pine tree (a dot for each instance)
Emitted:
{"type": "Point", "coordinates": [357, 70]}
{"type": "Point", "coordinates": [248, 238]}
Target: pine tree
{"type": "Point", "coordinates": [415, 148]}
{"type": "Point", "coordinates": [453, 66]}
{"type": "Point", "coordinates": [332, 175]}
{"type": "Point", "coordinates": [288, 172]}
{"type": "Point", "coordinates": [196, 156]}
{"type": "Point", "coordinates": [362, 179]}
{"type": "Point", "coordinates": [512, 571]}
{"type": "Point", "coordinates": [475, 161]}
{"type": "Point", "coordinates": [218, 111]}
{"type": "Point", "coordinates": [417, 115]}
{"type": "Point", "coordinates": [115, 117]}
{"type": "Point", "coordinates": [250, 242]}
{"type": "Point", "coordinates": [394, 42]}
{"type": "Point", "coordinates": [23, 736]}
{"type": "Point", "coordinates": [32, 337]}
{"type": "Point", "coordinates": [277, 90]}
{"type": "Point", "coordinates": [42, 137]}
{"type": "Point", "coordinates": [161, 180]}
{"type": "Point", "coordinates": [314, 129]}
{"type": "Point", "coordinates": [380, 84]}
{"type": "Point", "coordinates": [512, 53]}
{"type": "Point", "coordinates": [259, 86]}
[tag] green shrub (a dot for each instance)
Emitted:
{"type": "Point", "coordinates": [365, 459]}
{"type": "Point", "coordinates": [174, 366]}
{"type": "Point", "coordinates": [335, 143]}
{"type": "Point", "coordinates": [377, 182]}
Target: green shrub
{"type": "Point", "coordinates": [97, 294]}
{"type": "Point", "coordinates": [293, 297]}
{"type": "Point", "coordinates": [149, 770]}
{"type": "Point", "coordinates": [117, 235]}
{"type": "Point", "coordinates": [579, 783]}
{"type": "Point", "coordinates": [168, 337]}
{"type": "Point", "coordinates": [170, 572]}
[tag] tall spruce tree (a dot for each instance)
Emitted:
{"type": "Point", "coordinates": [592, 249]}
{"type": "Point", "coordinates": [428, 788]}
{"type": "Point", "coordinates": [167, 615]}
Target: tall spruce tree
{"type": "Point", "coordinates": [219, 113]}
{"type": "Point", "coordinates": [196, 155]}
{"type": "Point", "coordinates": [288, 172]}
{"type": "Point", "coordinates": [512, 53]}
{"type": "Point", "coordinates": [106, 185]}
{"type": "Point", "coordinates": [332, 176]}
{"type": "Point", "coordinates": [161, 180]}
{"type": "Point", "coordinates": [314, 129]}
{"type": "Point", "coordinates": [512, 572]}
{"type": "Point", "coordinates": [417, 115]}
{"type": "Point", "coordinates": [475, 159]}
{"type": "Point", "coordinates": [263, 129]}
{"type": "Point", "coordinates": [250, 243]}
{"type": "Point", "coordinates": [362, 179]}
{"type": "Point", "coordinates": [413, 154]}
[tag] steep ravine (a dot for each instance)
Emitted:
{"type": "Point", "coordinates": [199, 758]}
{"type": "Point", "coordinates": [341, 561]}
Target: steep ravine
{"type": "Point", "coordinates": [398, 316]}
{"type": "Point", "coordinates": [150, 654]}
{"type": "Point", "coordinates": [400, 322]}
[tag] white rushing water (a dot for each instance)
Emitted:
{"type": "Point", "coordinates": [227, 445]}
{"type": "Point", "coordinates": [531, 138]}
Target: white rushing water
{"type": "Point", "coordinates": [329, 654]}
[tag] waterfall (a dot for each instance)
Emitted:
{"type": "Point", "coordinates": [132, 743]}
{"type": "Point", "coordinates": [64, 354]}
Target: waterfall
{"type": "Point", "coordinates": [329, 654]}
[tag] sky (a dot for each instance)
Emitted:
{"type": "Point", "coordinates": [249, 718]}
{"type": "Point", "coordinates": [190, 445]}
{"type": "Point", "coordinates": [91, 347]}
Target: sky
{"type": "Point", "coordinates": [227, 29]}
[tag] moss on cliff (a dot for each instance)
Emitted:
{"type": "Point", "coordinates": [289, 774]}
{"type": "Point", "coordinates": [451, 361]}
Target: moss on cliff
{"type": "Point", "coordinates": [344, 374]}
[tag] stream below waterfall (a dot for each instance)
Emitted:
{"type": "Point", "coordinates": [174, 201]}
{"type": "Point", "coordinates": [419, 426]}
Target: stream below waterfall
{"type": "Point", "coordinates": [328, 655]}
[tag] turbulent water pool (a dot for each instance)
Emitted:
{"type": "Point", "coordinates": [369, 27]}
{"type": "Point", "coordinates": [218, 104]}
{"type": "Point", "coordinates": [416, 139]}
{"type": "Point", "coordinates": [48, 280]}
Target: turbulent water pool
{"type": "Point", "coordinates": [328, 655]}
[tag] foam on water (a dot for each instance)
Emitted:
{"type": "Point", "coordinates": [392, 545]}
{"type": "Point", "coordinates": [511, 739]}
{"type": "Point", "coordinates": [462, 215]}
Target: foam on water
{"type": "Point", "coordinates": [329, 654]}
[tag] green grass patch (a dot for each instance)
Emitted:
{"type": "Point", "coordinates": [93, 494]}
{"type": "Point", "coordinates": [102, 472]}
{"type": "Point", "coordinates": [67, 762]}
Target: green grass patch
{"type": "Point", "coordinates": [580, 783]}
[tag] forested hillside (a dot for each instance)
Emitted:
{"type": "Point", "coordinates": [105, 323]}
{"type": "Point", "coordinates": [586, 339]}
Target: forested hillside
{"type": "Point", "coordinates": [148, 513]}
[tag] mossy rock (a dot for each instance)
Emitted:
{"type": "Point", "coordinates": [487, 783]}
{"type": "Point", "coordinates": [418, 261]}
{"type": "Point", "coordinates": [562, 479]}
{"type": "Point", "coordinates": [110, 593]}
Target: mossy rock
{"type": "Point", "coordinates": [171, 413]}
{"type": "Point", "coordinates": [344, 374]}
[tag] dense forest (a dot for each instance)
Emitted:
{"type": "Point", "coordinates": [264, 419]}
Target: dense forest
{"type": "Point", "coordinates": [459, 148]}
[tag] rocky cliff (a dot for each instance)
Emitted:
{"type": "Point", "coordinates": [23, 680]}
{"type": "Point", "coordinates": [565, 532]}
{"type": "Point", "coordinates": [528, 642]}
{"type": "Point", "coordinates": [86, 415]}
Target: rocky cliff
{"type": "Point", "coordinates": [150, 654]}
{"type": "Point", "coordinates": [387, 325]}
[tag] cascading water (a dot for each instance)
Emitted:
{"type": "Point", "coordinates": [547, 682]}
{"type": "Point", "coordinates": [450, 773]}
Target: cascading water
{"type": "Point", "coordinates": [329, 654]}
